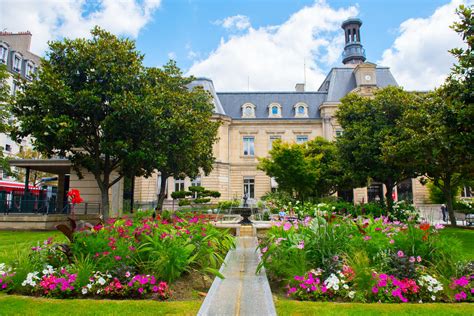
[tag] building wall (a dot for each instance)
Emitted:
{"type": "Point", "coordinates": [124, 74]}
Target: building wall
{"type": "Point", "coordinates": [90, 191]}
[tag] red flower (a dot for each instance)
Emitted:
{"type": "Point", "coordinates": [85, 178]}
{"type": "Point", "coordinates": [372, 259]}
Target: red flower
{"type": "Point", "coordinates": [425, 226]}
{"type": "Point", "coordinates": [75, 196]}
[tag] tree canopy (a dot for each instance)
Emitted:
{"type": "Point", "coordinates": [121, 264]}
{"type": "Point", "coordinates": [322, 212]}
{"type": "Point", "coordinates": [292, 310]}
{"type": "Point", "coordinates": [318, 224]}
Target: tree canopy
{"type": "Point", "coordinates": [84, 106]}
{"type": "Point", "coordinates": [184, 131]}
{"type": "Point", "coordinates": [306, 170]}
{"type": "Point", "coordinates": [368, 122]}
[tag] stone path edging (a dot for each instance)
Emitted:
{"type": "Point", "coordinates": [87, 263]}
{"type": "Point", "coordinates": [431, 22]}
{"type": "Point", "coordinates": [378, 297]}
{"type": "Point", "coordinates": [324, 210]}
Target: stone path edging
{"type": "Point", "coordinates": [242, 292]}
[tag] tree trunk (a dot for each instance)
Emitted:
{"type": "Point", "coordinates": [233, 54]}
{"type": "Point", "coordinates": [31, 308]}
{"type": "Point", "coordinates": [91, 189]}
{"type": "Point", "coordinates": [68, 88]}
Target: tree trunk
{"type": "Point", "coordinates": [389, 185]}
{"type": "Point", "coordinates": [447, 191]}
{"type": "Point", "coordinates": [162, 193]}
{"type": "Point", "coordinates": [105, 202]}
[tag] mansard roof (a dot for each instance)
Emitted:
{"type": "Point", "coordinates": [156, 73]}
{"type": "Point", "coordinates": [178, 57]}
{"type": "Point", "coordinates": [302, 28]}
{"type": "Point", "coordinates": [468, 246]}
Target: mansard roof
{"type": "Point", "coordinates": [338, 83]}
{"type": "Point", "coordinates": [233, 101]}
{"type": "Point", "coordinates": [341, 80]}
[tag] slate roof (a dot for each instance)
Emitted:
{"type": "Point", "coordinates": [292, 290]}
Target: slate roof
{"type": "Point", "coordinates": [338, 83]}
{"type": "Point", "coordinates": [341, 80]}
{"type": "Point", "coordinates": [233, 101]}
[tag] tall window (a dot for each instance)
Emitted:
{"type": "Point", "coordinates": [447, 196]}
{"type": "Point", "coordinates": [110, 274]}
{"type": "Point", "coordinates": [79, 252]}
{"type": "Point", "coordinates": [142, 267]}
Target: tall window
{"type": "Point", "coordinates": [3, 54]}
{"type": "Point", "coordinates": [466, 192]}
{"type": "Point", "coordinates": [272, 139]}
{"type": "Point", "coordinates": [196, 182]}
{"type": "Point", "coordinates": [178, 184]}
{"type": "Point", "coordinates": [274, 110]}
{"type": "Point", "coordinates": [249, 187]}
{"type": "Point", "coordinates": [16, 63]}
{"type": "Point", "coordinates": [248, 110]}
{"type": "Point", "coordinates": [249, 147]}
{"type": "Point", "coordinates": [29, 70]}
{"type": "Point", "coordinates": [301, 110]}
{"type": "Point", "coordinates": [300, 139]}
{"type": "Point", "coordinates": [375, 192]}
{"type": "Point", "coordinates": [405, 191]}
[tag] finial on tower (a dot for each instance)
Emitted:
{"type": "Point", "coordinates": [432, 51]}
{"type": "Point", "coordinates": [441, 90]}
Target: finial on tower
{"type": "Point", "coordinates": [354, 52]}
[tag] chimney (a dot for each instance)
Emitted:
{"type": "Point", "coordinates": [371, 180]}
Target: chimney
{"type": "Point", "coordinates": [299, 87]}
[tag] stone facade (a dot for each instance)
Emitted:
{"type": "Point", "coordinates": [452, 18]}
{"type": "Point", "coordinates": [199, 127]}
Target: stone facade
{"type": "Point", "coordinates": [251, 120]}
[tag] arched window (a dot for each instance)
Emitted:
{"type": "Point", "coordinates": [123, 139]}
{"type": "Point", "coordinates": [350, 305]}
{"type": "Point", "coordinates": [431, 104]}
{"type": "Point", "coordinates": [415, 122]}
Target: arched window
{"type": "Point", "coordinates": [301, 109]}
{"type": "Point", "coordinates": [248, 110]}
{"type": "Point", "coordinates": [274, 110]}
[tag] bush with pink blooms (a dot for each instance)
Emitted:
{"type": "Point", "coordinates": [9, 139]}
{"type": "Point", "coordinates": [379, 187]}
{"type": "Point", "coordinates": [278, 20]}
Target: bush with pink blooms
{"type": "Point", "coordinates": [126, 257]}
{"type": "Point", "coordinates": [390, 261]}
{"type": "Point", "coordinates": [463, 288]}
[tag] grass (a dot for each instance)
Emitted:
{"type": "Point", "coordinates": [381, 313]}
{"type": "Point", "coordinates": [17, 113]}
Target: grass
{"type": "Point", "coordinates": [466, 236]}
{"type": "Point", "coordinates": [294, 308]}
{"type": "Point", "coordinates": [21, 305]}
{"type": "Point", "coordinates": [12, 241]}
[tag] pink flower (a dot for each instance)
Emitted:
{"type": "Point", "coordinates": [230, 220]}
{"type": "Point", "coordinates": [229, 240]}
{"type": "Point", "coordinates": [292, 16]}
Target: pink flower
{"type": "Point", "coordinates": [392, 241]}
{"type": "Point", "coordinates": [367, 238]}
{"type": "Point", "coordinates": [460, 296]}
{"type": "Point", "coordinates": [118, 258]}
{"type": "Point", "coordinates": [292, 290]}
{"type": "Point", "coordinates": [412, 259]}
{"type": "Point", "coordinates": [140, 290]}
{"type": "Point", "coordinates": [375, 289]}
{"type": "Point", "coordinates": [418, 259]}
{"type": "Point", "coordinates": [264, 249]}
{"type": "Point", "coordinates": [127, 274]}
{"type": "Point", "coordinates": [300, 245]}
{"type": "Point", "coordinates": [400, 254]}
{"type": "Point", "coordinates": [439, 226]}
{"type": "Point", "coordinates": [287, 226]}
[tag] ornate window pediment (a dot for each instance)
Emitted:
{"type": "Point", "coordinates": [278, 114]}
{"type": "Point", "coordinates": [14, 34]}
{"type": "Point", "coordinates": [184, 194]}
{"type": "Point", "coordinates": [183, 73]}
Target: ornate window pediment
{"type": "Point", "coordinates": [301, 109]}
{"type": "Point", "coordinates": [248, 110]}
{"type": "Point", "coordinates": [274, 110]}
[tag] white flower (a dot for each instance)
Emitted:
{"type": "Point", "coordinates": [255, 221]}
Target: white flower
{"type": "Point", "coordinates": [49, 270]}
{"type": "Point", "coordinates": [332, 282]}
{"type": "Point", "coordinates": [30, 279]}
{"type": "Point", "coordinates": [351, 294]}
{"type": "Point", "coordinates": [101, 281]}
{"type": "Point", "coordinates": [89, 286]}
{"type": "Point", "coordinates": [345, 286]}
{"type": "Point", "coordinates": [433, 298]}
{"type": "Point", "coordinates": [98, 291]}
{"type": "Point", "coordinates": [84, 290]}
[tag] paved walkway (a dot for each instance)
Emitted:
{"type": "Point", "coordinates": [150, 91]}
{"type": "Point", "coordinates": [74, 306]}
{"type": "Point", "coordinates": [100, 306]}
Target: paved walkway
{"type": "Point", "coordinates": [242, 292]}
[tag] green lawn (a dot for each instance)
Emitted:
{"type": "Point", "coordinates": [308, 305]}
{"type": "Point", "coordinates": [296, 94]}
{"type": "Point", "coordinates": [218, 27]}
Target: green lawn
{"type": "Point", "coordinates": [466, 236]}
{"type": "Point", "coordinates": [287, 307]}
{"type": "Point", "coordinates": [21, 305]}
{"type": "Point", "coordinates": [12, 241]}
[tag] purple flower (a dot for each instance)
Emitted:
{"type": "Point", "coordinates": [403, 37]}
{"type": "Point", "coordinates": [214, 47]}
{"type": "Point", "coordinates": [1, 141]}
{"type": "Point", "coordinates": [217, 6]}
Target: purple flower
{"type": "Point", "coordinates": [375, 289]}
{"type": "Point", "coordinates": [140, 290]}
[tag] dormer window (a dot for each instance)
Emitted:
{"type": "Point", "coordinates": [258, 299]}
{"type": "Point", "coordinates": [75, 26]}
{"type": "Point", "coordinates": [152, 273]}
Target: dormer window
{"type": "Point", "coordinates": [17, 62]}
{"type": "Point", "coordinates": [301, 110]}
{"type": "Point", "coordinates": [274, 110]}
{"type": "Point", "coordinates": [248, 110]}
{"type": "Point", "coordinates": [30, 70]}
{"type": "Point", "coordinates": [3, 53]}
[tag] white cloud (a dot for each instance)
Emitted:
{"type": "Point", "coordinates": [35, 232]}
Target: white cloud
{"type": "Point", "coordinates": [238, 22]}
{"type": "Point", "coordinates": [419, 57]}
{"type": "Point", "coordinates": [53, 19]}
{"type": "Point", "coordinates": [272, 57]}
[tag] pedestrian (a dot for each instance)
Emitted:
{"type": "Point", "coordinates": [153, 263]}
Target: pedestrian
{"type": "Point", "coordinates": [444, 211]}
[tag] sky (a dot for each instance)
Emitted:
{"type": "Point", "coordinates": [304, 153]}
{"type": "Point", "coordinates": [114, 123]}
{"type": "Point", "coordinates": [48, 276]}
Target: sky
{"type": "Point", "coordinates": [256, 45]}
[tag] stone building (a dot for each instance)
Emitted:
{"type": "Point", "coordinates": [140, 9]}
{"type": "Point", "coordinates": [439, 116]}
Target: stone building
{"type": "Point", "coordinates": [20, 63]}
{"type": "Point", "coordinates": [251, 121]}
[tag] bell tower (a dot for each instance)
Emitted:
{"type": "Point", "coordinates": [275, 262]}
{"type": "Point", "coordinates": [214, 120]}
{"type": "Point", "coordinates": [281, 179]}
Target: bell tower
{"type": "Point", "coordinates": [354, 52]}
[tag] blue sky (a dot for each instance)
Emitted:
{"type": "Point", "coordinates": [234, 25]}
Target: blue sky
{"type": "Point", "coordinates": [179, 23]}
{"type": "Point", "coordinates": [257, 44]}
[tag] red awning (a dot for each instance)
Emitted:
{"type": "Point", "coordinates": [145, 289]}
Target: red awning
{"type": "Point", "coordinates": [9, 185]}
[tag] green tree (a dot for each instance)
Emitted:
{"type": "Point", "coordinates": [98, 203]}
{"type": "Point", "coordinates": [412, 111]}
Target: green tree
{"type": "Point", "coordinates": [368, 122]}
{"type": "Point", "coordinates": [85, 105]}
{"type": "Point", "coordinates": [184, 130]}
{"type": "Point", "coordinates": [437, 134]}
{"type": "Point", "coordinates": [304, 170]}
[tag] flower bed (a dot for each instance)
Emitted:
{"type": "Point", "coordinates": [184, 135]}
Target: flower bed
{"type": "Point", "coordinates": [341, 258]}
{"type": "Point", "coordinates": [126, 257]}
